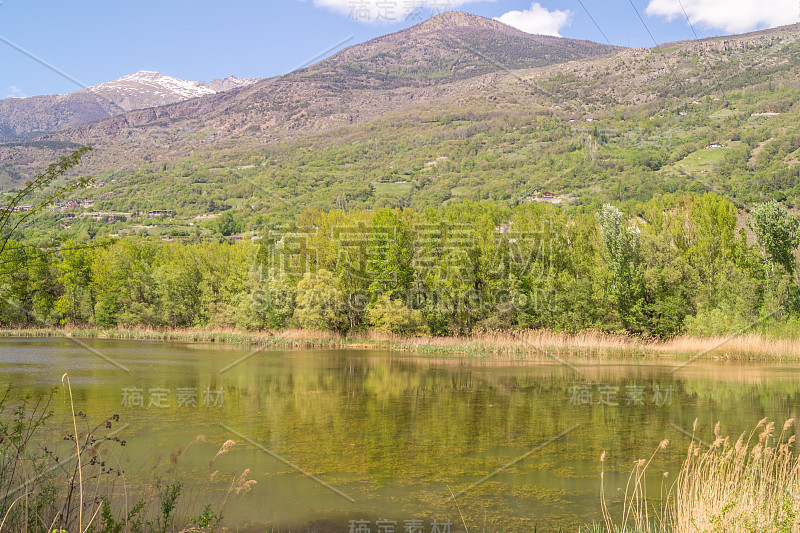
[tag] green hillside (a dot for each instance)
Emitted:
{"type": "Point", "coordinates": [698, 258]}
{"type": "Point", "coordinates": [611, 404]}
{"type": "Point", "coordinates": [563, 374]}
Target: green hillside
{"type": "Point", "coordinates": [718, 115]}
{"type": "Point", "coordinates": [695, 144]}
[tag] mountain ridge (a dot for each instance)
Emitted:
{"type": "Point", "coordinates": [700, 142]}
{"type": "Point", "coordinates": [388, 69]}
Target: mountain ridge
{"type": "Point", "coordinates": [624, 123]}
{"type": "Point", "coordinates": [420, 63]}
{"type": "Point", "coordinates": [22, 118]}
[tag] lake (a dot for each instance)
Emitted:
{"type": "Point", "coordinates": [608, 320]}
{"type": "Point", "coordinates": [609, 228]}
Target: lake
{"type": "Point", "coordinates": [336, 439]}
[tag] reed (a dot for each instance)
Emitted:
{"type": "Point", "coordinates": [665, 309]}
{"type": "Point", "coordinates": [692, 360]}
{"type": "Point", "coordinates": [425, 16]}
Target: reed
{"type": "Point", "coordinates": [745, 346]}
{"type": "Point", "coordinates": [521, 344]}
{"type": "Point", "coordinates": [752, 485]}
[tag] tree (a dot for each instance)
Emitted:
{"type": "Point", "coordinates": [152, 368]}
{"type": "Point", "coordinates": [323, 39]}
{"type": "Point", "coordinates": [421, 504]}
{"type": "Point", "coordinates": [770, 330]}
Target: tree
{"type": "Point", "coordinates": [226, 224]}
{"type": "Point", "coordinates": [711, 235]}
{"type": "Point", "coordinates": [621, 245]}
{"type": "Point", "coordinates": [777, 233]}
{"type": "Point", "coordinates": [393, 316]}
{"type": "Point", "coordinates": [11, 219]}
{"type": "Point", "coordinates": [320, 302]}
{"type": "Point", "coordinates": [77, 302]}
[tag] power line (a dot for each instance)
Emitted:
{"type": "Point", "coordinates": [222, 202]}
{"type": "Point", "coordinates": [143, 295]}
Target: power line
{"type": "Point", "coordinates": [688, 21]}
{"type": "Point", "coordinates": [595, 23]}
{"type": "Point", "coordinates": [696, 38]}
{"type": "Point", "coordinates": [643, 23]}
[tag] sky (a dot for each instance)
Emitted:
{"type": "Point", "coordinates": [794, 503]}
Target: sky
{"type": "Point", "coordinates": [57, 46]}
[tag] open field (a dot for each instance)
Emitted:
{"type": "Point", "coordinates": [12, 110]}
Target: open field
{"type": "Point", "coordinates": [392, 188]}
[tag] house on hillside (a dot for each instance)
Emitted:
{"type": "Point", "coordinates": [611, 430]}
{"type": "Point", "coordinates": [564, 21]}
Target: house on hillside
{"type": "Point", "coordinates": [715, 144]}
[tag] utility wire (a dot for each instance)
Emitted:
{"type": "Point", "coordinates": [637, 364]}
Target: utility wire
{"type": "Point", "coordinates": [643, 23]}
{"type": "Point", "coordinates": [696, 38]}
{"type": "Point", "coordinates": [595, 22]}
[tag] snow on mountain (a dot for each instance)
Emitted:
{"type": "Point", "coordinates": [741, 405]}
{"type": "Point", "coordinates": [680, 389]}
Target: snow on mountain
{"type": "Point", "coordinates": [23, 117]}
{"type": "Point", "coordinates": [151, 89]}
{"type": "Point", "coordinates": [226, 84]}
{"type": "Point", "coordinates": [148, 89]}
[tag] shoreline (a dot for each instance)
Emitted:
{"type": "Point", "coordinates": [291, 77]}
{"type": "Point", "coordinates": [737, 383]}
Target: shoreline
{"type": "Point", "coordinates": [521, 345]}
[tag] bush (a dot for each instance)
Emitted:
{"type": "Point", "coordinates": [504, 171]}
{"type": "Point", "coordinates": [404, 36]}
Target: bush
{"type": "Point", "coordinates": [393, 316]}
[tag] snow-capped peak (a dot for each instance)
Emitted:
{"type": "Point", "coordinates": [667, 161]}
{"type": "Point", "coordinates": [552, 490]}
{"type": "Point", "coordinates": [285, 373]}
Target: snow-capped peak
{"type": "Point", "coordinates": [148, 80]}
{"type": "Point", "coordinates": [147, 88]}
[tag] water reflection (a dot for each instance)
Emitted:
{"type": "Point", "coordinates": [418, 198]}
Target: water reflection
{"type": "Point", "coordinates": [397, 435]}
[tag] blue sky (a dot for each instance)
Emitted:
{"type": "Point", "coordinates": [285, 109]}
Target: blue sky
{"type": "Point", "coordinates": [91, 41]}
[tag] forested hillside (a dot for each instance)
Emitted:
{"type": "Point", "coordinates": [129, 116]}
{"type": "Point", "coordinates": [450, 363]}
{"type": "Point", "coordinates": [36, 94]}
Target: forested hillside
{"type": "Point", "coordinates": [439, 192]}
{"type": "Point", "coordinates": [718, 115]}
{"type": "Point", "coordinates": [674, 264]}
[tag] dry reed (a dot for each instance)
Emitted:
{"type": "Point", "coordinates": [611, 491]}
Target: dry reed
{"type": "Point", "coordinates": [752, 485]}
{"type": "Point", "coordinates": [521, 344]}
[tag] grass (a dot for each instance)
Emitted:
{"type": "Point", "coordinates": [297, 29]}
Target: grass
{"type": "Point", "coordinates": [752, 485]}
{"type": "Point", "coordinates": [522, 345]}
{"type": "Point", "coordinates": [42, 491]}
{"type": "Point", "coordinates": [392, 188]}
{"type": "Point", "coordinates": [723, 113]}
{"type": "Point", "coordinates": [706, 159]}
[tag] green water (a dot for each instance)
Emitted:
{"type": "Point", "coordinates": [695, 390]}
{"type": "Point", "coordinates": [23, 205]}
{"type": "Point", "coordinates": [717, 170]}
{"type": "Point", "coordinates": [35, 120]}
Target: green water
{"type": "Point", "coordinates": [381, 436]}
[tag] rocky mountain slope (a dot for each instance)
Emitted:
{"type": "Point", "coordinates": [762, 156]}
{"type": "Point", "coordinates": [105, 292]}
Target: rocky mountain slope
{"type": "Point", "coordinates": [448, 54]}
{"type": "Point", "coordinates": [22, 118]}
{"type": "Point", "coordinates": [435, 114]}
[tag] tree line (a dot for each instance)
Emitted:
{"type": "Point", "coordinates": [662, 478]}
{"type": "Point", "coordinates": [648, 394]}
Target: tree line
{"type": "Point", "coordinates": [676, 264]}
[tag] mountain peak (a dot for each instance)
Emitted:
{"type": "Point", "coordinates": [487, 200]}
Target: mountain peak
{"type": "Point", "coordinates": [143, 74]}
{"type": "Point", "coordinates": [21, 117]}
{"type": "Point", "coordinates": [454, 19]}
{"type": "Point", "coordinates": [147, 88]}
{"type": "Point", "coordinates": [450, 45]}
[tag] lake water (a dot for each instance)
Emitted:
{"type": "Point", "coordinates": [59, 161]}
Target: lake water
{"type": "Point", "coordinates": [332, 437]}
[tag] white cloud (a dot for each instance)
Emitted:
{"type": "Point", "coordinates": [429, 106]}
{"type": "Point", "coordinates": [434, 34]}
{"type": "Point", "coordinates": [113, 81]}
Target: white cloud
{"type": "Point", "coordinates": [537, 19]}
{"type": "Point", "coordinates": [391, 11]}
{"type": "Point", "coordinates": [15, 92]}
{"type": "Point", "coordinates": [729, 15]}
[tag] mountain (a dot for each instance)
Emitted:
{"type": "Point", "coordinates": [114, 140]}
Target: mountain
{"type": "Point", "coordinates": [459, 108]}
{"type": "Point", "coordinates": [226, 84]}
{"type": "Point", "coordinates": [27, 117]}
{"type": "Point", "coordinates": [452, 45]}
{"type": "Point", "coordinates": [452, 53]}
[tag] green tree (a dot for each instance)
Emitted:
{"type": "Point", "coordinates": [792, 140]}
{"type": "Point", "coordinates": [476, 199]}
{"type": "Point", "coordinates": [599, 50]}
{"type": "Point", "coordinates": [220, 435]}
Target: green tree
{"type": "Point", "coordinates": [178, 280]}
{"type": "Point", "coordinates": [621, 244]}
{"type": "Point", "coordinates": [393, 316]}
{"type": "Point", "coordinates": [321, 303]}
{"type": "Point", "coordinates": [77, 303]}
{"type": "Point", "coordinates": [777, 233]}
{"type": "Point", "coordinates": [227, 225]}
{"type": "Point", "coordinates": [711, 236]}
{"type": "Point", "coordinates": [123, 277]}
{"type": "Point", "coordinates": [670, 283]}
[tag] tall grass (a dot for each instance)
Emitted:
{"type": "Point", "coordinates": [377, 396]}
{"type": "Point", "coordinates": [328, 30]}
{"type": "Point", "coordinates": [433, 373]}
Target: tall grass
{"type": "Point", "coordinates": [49, 488]}
{"type": "Point", "coordinates": [750, 486]}
{"type": "Point", "coordinates": [522, 344]}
